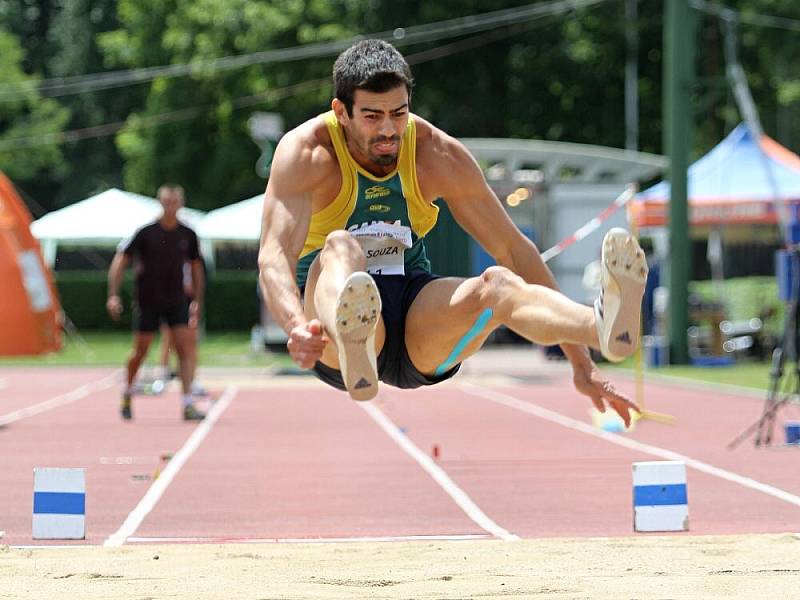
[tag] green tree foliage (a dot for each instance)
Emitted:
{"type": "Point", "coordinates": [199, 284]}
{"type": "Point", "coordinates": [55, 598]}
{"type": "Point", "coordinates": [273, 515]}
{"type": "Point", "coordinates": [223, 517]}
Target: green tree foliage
{"type": "Point", "coordinates": [28, 117]}
{"type": "Point", "coordinates": [95, 164]}
{"type": "Point", "coordinates": [767, 55]}
{"type": "Point", "coordinates": [555, 78]}
{"type": "Point", "coordinates": [558, 78]}
{"type": "Point", "coordinates": [770, 57]}
{"type": "Point", "coordinates": [210, 152]}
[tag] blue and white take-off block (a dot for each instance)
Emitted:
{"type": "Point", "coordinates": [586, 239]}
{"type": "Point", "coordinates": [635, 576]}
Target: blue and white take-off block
{"type": "Point", "coordinates": [659, 496]}
{"type": "Point", "coordinates": [59, 504]}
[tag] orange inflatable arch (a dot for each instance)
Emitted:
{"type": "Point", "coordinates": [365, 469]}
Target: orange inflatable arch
{"type": "Point", "coordinates": [30, 312]}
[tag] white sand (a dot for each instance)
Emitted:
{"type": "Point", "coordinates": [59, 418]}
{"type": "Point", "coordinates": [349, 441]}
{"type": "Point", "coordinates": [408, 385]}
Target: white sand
{"type": "Point", "coordinates": [746, 567]}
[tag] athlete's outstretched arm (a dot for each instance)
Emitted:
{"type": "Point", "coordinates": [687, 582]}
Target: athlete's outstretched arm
{"type": "Point", "coordinates": [478, 210]}
{"type": "Point", "coordinates": [286, 219]}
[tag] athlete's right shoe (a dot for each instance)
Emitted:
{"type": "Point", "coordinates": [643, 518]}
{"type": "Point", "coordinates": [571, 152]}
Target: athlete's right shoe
{"type": "Point", "coordinates": [358, 308]}
{"type": "Point", "coordinates": [125, 410]}
{"type": "Point", "coordinates": [618, 308]}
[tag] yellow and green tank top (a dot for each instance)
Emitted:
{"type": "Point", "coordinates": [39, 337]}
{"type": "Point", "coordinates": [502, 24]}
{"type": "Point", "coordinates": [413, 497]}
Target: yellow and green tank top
{"type": "Point", "coordinates": [365, 199]}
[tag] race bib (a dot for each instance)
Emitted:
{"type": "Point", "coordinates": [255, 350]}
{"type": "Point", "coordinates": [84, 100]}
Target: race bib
{"type": "Point", "coordinates": [384, 246]}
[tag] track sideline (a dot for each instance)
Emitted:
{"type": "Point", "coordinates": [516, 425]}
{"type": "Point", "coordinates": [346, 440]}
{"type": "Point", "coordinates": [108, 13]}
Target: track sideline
{"type": "Point", "coordinates": [60, 400]}
{"type": "Point", "coordinates": [438, 474]}
{"type": "Point", "coordinates": [554, 417]}
{"type": "Point", "coordinates": [155, 491]}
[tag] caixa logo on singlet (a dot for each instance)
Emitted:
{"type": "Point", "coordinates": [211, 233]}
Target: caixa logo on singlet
{"type": "Point", "coordinates": [376, 191]}
{"type": "Point", "coordinates": [397, 223]}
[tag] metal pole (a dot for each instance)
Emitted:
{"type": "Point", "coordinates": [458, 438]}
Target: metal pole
{"type": "Point", "coordinates": [631, 75]}
{"type": "Point", "coordinates": [678, 70]}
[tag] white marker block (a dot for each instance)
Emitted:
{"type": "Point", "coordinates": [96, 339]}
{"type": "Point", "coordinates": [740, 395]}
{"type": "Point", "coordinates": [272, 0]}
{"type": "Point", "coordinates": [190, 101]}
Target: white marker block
{"type": "Point", "coordinates": [59, 504]}
{"type": "Point", "coordinates": [659, 496]}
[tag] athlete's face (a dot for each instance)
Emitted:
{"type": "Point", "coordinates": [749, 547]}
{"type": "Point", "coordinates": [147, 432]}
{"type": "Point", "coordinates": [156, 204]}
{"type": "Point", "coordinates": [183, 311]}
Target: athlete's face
{"type": "Point", "coordinates": [375, 130]}
{"type": "Point", "coordinates": [171, 201]}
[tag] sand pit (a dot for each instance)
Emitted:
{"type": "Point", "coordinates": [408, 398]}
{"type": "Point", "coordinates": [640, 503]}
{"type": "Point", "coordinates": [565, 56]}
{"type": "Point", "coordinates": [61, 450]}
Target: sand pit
{"type": "Point", "coordinates": [744, 567]}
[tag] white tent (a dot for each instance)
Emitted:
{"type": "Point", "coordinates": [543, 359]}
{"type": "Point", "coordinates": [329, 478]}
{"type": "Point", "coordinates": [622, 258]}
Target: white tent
{"type": "Point", "coordinates": [239, 222]}
{"type": "Point", "coordinates": [101, 220]}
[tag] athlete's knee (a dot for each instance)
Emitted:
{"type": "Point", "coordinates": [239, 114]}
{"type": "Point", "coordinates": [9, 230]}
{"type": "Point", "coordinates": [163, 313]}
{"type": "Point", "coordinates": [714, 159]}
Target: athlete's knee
{"type": "Point", "coordinates": [341, 243]}
{"type": "Point", "coordinates": [497, 285]}
{"type": "Point", "coordinates": [340, 240]}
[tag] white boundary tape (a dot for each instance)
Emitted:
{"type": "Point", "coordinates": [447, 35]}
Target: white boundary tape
{"type": "Point", "coordinates": [554, 417]}
{"type": "Point", "coordinates": [160, 485]}
{"type": "Point", "coordinates": [336, 540]}
{"type": "Point", "coordinates": [60, 400]}
{"type": "Point", "coordinates": [438, 474]}
{"type": "Point", "coordinates": [591, 225]}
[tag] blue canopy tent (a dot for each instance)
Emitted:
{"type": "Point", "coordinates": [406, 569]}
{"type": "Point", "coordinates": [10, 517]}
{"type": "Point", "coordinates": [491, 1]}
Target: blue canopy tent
{"type": "Point", "coordinates": [745, 180]}
{"type": "Point", "coordinates": [738, 181]}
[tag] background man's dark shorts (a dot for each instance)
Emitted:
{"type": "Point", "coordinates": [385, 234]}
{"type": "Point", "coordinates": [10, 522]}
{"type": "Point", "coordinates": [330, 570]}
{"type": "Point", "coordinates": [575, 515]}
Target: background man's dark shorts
{"type": "Point", "coordinates": [149, 319]}
{"type": "Point", "coordinates": [394, 365]}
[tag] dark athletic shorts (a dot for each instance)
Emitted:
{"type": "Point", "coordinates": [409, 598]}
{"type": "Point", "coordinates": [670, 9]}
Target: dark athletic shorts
{"type": "Point", "coordinates": [148, 320]}
{"type": "Point", "coordinates": [394, 365]}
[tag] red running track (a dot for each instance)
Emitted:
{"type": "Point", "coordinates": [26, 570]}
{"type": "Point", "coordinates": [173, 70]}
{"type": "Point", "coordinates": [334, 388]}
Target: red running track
{"type": "Point", "coordinates": [301, 461]}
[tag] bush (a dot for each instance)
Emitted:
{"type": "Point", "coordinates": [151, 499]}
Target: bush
{"type": "Point", "coordinates": [83, 297]}
{"type": "Point", "coordinates": [745, 298]}
{"type": "Point", "coordinates": [231, 303]}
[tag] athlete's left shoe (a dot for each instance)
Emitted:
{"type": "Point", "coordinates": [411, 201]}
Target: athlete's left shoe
{"type": "Point", "coordinates": [358, 308]}
{"type": "Point", "coordinates": [618, 308]}
{"type": "Point", "coordinates": [190, 413]}
{"type": "Point", "coordinates": [125, 407]}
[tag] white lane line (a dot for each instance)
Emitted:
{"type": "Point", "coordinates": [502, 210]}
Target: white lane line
{"type": "Point", "coordinates": [60, 400]}
{"type": "Point", "coordinates": [437, 473]}
{"type": "Point", "coordinates": [571, 423]}
{"type": "Point", "coordinates": [336, 540]}
{"type": "Point", "coordinates": [160, 485]}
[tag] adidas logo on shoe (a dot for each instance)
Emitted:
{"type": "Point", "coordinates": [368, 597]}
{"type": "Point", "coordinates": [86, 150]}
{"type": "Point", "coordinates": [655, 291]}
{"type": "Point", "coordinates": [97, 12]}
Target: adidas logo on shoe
{"type": "Point", "coordinates": [624, 338]}
{"type": "Point", "coordinates": [362, 383]}
{"type": "Point", "coordinates": [358, 308]}
{"type": "Point", "coordinates": [617, 309]}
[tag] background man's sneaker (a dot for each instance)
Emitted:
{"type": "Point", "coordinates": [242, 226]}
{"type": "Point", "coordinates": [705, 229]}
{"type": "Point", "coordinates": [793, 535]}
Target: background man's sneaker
{"type": "Point", "coordinates": [125, 410]}
{"type": "Point", "coordinates": [190, 413]}
{"type": "Point", "coordinates": [618, 308]}
{"type": "Point", "coordinates": [357, 311]}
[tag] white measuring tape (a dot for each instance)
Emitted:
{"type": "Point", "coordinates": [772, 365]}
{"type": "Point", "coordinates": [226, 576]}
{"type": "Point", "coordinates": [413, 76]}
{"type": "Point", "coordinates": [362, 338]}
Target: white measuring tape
{"type": "Point", "coordinates": [589, 227]}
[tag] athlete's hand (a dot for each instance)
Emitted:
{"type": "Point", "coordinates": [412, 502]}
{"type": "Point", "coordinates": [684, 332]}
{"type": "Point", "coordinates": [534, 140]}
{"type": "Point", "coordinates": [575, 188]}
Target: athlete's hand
{"type": "Point", "coordinates": [306, 343]}
{"type": "Point", "coordinates": [194, 314]}
{"type": "Point", "coordinates": [589, 381]}
{"type": "Point", "coordinates": [114, 307]}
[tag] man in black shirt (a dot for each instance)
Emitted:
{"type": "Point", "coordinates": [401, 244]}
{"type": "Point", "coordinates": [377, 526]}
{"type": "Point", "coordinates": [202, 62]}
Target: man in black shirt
{"type": "Point", "coordinates": [159, 252]}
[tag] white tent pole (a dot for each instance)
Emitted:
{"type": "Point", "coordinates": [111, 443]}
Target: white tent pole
{"type": "Point", "coordinates": [49, 249]}
{"type": "Point", "coordinates": [207, 251]}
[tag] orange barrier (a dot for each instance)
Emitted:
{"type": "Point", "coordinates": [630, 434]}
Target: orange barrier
{"type": "Point", "coordinates": [30, 312]}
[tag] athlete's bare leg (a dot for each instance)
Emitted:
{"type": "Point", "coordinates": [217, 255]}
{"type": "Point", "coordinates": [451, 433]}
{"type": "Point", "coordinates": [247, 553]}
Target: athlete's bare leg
{"type": "Point", "coordinates": [167, 346]}
{"type": "Point", "coordinates": [334, 296]}
{"type": "Point", "coordinates": [451, 308]}
{"type": "Point", "coordinates": [182, 338]}
{"type": "Point", "coordinates": [141, 344]}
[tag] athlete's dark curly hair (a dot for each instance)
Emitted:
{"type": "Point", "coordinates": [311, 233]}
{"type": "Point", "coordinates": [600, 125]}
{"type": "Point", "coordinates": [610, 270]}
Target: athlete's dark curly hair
{"type": "Point", "coordinates": [371, 65]}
